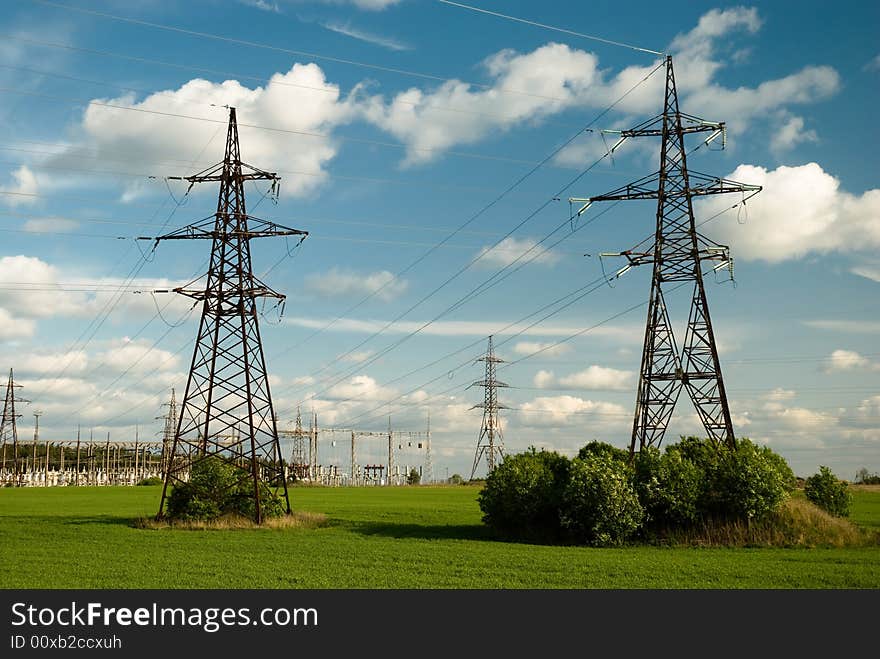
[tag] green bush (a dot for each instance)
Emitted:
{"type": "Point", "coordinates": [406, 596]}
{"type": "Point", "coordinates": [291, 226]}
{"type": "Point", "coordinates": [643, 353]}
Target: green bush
{"type": "Point", "coordinates": [670, 488]}
{"type": "Point", "coordinates": [521, 497]}
{"type": "Point", "coordinates": [600, 507]}
{"type": "Point", "coordinates": [747, 484]}
{"type": "Point", "coordinates": [218, 488]}
{"type": "Point", "coordinates": [829, 493]}
{"type": "Point", "coordinates": [603, 448]}
{"type": "Point", "coordinates": [152, 480]}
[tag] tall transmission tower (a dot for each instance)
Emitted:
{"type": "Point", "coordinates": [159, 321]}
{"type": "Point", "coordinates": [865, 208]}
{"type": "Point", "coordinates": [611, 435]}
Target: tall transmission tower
{"type": "Point", "coordinates": [490, 441]}
{"type": "Point", "coordinates": [9, 430]}
{"type": "Point", "coordinates": [227, 407]}
{"type": "Point", "coordinates": [429, 463]}
{"type": "Point", "coordinates": [678, 254]}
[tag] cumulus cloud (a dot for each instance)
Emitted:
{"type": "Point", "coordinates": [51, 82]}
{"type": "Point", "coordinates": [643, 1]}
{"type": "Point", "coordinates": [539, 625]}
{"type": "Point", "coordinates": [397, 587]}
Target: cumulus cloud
{"type": "Point", "coordinates": [12, 328]}
{"type": "Point", "coordinates": [138, 356]}
{"type": "Point", "coordinates": [356, 357]}
{"type": "Point", "coordinates": [512, 250]}
{"type": "Point", "coordinates": [560, 410]}
{"type": "Point", "coordinates": [873, 64]}
{"type": "Point", "coordinates": [338, 281]}
{"type": "Point", "coordinates": [790, 134]}
{"type": "Point", "coordinates": [553, 78]}
{"type": "Point", "coordinates": [296, 102]}
{"type": "Point", "coordinates": [22, 188]}
{"type": "Point", "coordinates": [361, 388]}
{"type": "Point", "coordinates": [593, 377]}
{"type": "Point", "coordinates": [801, 210]}
{"type": "Point", "coordinates": [848, 360]}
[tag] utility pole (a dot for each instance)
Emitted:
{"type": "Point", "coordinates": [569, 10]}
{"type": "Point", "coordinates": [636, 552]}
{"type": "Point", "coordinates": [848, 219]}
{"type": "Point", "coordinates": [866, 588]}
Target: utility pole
{"type": "Point", "coordinates": [37, 415]}
{"type": "Point", "coordinates": [9, 430]}
{"type": "Point", "coordinates": [490, 441]}
{"type": "Point", "coordinates": [429, 465]}
{"type": "Point", "coordinates": [678, 254]}
{"type": "Point", "coordinates": [228, 384]}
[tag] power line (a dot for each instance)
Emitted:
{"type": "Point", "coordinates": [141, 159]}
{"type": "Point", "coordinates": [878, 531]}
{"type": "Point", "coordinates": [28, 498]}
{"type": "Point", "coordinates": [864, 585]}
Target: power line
{"type": "Point", "coordinates": [274, 129]}
{"type": "Point", "coordinates": [253, 44]}
{"type": "Point", "coordinates": [471, 219]}
{"type": "Point", "coordinates": [551, 27]}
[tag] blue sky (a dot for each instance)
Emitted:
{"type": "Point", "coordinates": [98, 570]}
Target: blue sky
{"type": "Point", "coordinates": [404, 133]}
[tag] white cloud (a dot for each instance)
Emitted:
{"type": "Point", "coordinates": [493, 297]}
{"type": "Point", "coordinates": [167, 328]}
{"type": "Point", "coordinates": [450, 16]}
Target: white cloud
{"type": "Point", "coordinates": [512, 250]}
{"type": "Point", "coordinates": [847, 326]}
{"type": "Point", "coordinates": [50, 225]}
{"type": "Point", "coordinates": [618, 333]}
{"type": "Point", "coordinates": [845, 360]}
{"type": "Point", "coordinates": [368, 5]}
{"type": "Point", "coordinates": [23, 187]}
{"type": "Point", "coordinates": [801, 418]}
{"type": "Point", "coordinates": [593, 377]}
{"type": "Point", "coordinates": [873, 64]}
{"type": "Point", "coordinates": [12, 328]}
{"type": "Point", "coordinates": [361, 388]}
{"type": "Point", "coordinates": [779, 394]}
{"type": "Point", "coordinates": [546, 349]}
{"type": "Point", "coordinates": [801, 210]}
{"type": "Point", "coordinates": [544, 379]}
{"type": "Point", "coordinates": [599, 377]}
{"type": "Point", "coordinates": [363, 35]}
{"type": "Point", "coordinates": [338, 281]}
{"type": "Point", "coordinates": [552, 410]}
{"type": "Point", "coordinates": [73, 362]}
{"type": "Point", "coordinates": [263, 5]}
{"type": "Point", "coordinates": [140, 356]}
{"type": "Point", "coordinates": [553, 71]}
{"type": "Point", "coordinates": [300, 101]}
{"type": "Point", "coordinates": [534, 86]}
{"type": "Point", "coordinates": [356, 357]}
{"type": "Point", "coordinates": [791, 134]}
{"type": "Point", "coordinates": [868, 270]}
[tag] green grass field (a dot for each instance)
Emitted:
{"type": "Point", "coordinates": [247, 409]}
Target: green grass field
{"type": "Point", "coordinates": [423, 537]}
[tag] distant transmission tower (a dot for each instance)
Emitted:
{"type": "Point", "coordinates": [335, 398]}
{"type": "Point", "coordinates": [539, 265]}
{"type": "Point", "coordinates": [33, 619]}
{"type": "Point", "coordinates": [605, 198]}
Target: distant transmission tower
{"type": "Point", "coordinates": [227, 408]}
{"type": "Point", "coordinates": [168, 434]}
{"type": "Point", "coordinates": [490, 442]}
{"type": "Point", "coordinates": [9, 432]}
{"type": "Point", "coordinates": [429, 463]}
{"type": "Point", "coordinates": [678, 254]}
{"type": "Point", "coordinates": [298, 457]}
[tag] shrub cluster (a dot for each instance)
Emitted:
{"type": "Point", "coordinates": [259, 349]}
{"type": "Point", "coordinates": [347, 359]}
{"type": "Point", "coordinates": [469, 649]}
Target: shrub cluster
{"type": "Point", "coordinates": [217, 488]}
{"type": "Point", "coordinates": [829, 493]}
{"type": "Point", "coordinates": [603, 498]}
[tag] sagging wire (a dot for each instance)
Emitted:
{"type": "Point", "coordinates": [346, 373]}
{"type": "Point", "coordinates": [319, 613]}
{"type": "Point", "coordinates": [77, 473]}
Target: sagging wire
{"type": "Point", "coordinates": [181, 321]}
{"type": "Point", "coordinates": [150, 256]}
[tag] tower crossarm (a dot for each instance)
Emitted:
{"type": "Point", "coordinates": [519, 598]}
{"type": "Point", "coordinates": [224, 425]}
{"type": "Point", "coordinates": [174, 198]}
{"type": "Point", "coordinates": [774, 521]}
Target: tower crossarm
{"type": "Point", "coordinates": [653, 127]}
{"type": "Point", "coordinates": [648, 188]}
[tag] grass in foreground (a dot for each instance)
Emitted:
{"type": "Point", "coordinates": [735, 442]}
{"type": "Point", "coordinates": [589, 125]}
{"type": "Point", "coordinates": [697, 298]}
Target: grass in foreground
{"type": "Point", "coordinates": [425, 537]}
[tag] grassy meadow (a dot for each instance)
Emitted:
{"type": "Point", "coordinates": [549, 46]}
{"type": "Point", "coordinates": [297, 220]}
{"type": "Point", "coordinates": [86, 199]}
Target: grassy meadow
{"type": "Point", "coordinates": [412, 537]}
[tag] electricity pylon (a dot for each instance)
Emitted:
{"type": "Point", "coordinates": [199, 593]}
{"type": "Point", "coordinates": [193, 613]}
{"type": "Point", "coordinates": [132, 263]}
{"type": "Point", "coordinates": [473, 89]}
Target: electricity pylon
{"type": "Point", "coordinates": [168, 433]}
{"type": "Point", "coordinates": [9, 429]}
{"type": "Point", "coordinates": [298, 456]}
{"type": "Point", "coordinates": [678, 254]}
{"type": "Point", "coordinates": [227, 408]}
{"type": "Point", "coordinates": [490, 441]}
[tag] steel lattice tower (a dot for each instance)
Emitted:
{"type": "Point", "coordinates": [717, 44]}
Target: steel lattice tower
{"type": "Point", "coordinates": [9, 428]}
{"type": "Point", "coordinates": [298, 458]}
{"type": "Point", "coordinates": [678, 254]}
{"type": "Point", "coordinates": [168, 434]}
{"type": "Point", "coordinates": [227, 408]}
{"type": "Point", "coordinates": [491, 441]}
